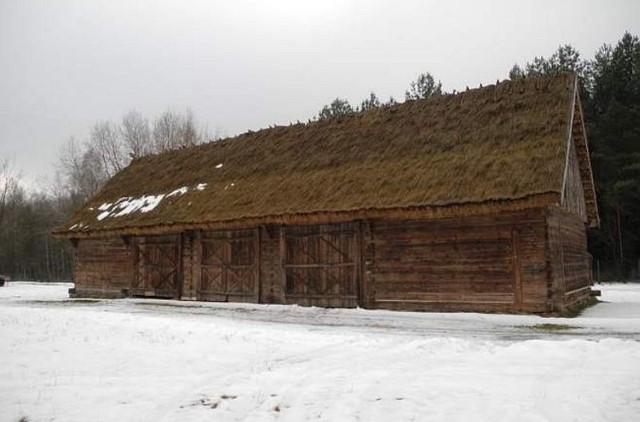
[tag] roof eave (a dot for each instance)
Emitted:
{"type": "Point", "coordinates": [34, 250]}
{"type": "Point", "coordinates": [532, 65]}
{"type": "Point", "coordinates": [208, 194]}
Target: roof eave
{"type": "Point", "coordinates": [537, 200]}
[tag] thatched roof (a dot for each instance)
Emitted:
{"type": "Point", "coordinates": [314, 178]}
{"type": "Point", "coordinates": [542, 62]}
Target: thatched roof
{"type": "Point", "coordinates": [492, 145]}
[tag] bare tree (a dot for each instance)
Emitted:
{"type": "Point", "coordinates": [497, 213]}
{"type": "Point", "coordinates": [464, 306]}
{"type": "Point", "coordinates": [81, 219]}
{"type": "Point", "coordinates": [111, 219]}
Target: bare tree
{"type": "Point", "coordinates": [93, 174]}
{"type": "Point", "coordinates": [167, 131]}
{"type": "Point", "coordinates": [85, 167]}
{"type": "Point", "coordinates": [108, 146]}
{"type": "Point", "coordinates": [82, 170]}
{"type": "Point", "coordinates": [190, 135]}
{"type": "Point", "coordinates": [173, 130]}
{"type": "Point", "coordinates": [136, 134]}
{"type": "Point", "coordinates": [8, 185]}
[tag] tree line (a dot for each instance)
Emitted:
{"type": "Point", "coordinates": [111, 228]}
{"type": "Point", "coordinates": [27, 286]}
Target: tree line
{"type": "Point", "coordinates": [424, 87]}
{"type": "Point", "coordinates": [609, 86]}
{"type": "Point", "coordinates": [84, 167]}
{"type": "Point", "coordinates": [610, 93]}
{"type": "Point", "coordinates": [27, 249]}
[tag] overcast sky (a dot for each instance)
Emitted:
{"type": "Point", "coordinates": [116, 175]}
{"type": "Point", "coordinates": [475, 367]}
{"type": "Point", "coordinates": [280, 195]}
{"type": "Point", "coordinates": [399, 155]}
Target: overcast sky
{"type": "Point", "coordinates": [243, 65]}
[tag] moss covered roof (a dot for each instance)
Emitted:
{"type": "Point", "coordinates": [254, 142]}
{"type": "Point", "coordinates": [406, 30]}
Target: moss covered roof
{"type": "Point", "coordinates": [499, 142]}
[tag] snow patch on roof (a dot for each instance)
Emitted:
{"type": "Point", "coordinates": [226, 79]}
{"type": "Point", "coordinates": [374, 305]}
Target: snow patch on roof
{"type": "Point", "coordinates": [151, 202]}
{"type": "Point", "coordinates": [79, 226]}
{"type": "Point", "coordinates": [180, 191]}
{"type": "Point", "coordinates": [127, 205]}
{"type": "Point", "coordinates": [145, 203]}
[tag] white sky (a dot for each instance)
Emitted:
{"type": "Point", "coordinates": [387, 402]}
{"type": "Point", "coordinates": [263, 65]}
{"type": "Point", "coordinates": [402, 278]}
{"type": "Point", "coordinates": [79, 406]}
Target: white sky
{"type": "Point", "coordinates": [243, 65]}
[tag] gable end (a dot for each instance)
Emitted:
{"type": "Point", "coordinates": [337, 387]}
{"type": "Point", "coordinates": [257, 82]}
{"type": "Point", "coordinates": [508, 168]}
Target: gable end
{"type": "Point", "coordinates": [578, 168]}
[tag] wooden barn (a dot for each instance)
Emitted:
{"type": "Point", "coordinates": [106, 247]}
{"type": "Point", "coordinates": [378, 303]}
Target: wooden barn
{"type": "Point", "coordinates": [477, 201]}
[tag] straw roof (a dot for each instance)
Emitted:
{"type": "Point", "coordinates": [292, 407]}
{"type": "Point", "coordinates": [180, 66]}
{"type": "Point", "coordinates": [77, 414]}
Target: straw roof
{"type": "Point", "coordinates": [495, 144]}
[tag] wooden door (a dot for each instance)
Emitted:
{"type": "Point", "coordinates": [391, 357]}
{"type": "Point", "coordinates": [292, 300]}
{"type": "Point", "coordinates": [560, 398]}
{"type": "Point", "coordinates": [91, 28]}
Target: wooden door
{"type": "Point", "coordinates": [157, 267]}
{"type": "Point", "coordinates": [229, 266]}
{"type": "Point", "coordinates": [321, 265]}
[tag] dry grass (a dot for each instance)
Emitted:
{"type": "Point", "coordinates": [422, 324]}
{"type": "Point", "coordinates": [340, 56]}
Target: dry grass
{"type": "Point", "coordinates": [493, 143]}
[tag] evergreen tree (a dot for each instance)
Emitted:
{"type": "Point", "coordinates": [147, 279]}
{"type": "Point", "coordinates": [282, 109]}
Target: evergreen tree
{"type": "Point", "coordinates": [610, 93]}
{"type": "Point", "coordinates": [614, 133]}
{"type": "Point", "coordinates": [338, 107]}
{"type": "Point", "coordinates": [372, 102]}
{"type": "Point", "coordinates": [424, 87]}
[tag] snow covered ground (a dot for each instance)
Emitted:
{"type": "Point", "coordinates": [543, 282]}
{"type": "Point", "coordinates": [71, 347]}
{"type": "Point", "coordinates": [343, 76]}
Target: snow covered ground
{"type": "Point", "coordinates": [149, 360]}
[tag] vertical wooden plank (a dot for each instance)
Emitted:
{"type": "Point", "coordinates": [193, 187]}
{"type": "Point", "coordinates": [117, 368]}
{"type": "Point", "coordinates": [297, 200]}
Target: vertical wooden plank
{"type": "Point", "coordinates": [225, 258]}
{"type": "Point", "coordinates": [179, 268]}
{"type": "Point", "coordinates": [366, 256]}
{"type": "Point", "coordinates": [562, 285]}
{"type": "Point", "coordinates": [187, 265]}
{"type": "Point", "coordinates": [359, 269]}
{"type": "Point", "coordinates": [548, 251]}
{"type": "Point", "coordinates": [135, 248]}
{"type": "Point", "coordinates": [142, 278]}
{"type": "Point", "coordinates": [563, 275]}
{"type": "Point", "coordinates": [517, 268]}
{"type": "Point", "coordinates": [75, 244]}
{"type": "Point", "coordinates": [265, 265]}
{"type": "Point", "coordinates": [283, 251]}
{"type": "Point", "coordinates": [196, 252]}
{"type": "Point", "coordinates": [257, 265]}
{"type": "Point", "coordinates": [322, 255]}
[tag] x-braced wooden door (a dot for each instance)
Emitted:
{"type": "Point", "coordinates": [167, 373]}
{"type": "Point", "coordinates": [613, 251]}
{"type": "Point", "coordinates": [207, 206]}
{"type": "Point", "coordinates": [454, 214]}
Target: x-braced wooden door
{"type": "Point", "coordinates": [229, 266]}
{"type": "Point", "coordinates": [321, 265]}
{"type": "Point", "coordinates": [157, 267]}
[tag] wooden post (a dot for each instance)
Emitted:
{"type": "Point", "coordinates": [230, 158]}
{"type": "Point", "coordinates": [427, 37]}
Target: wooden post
{"type": "Point", "coordinates": [366, 236]}
{"type": "Point", "coordinates": [257, 264]}
{"type": "Point", "coordinates": [517, 269]}
{"type": "Point", "coordinates": [356, 253]}
{"type": "Point", "coordinates": [563, 286]}
{"type": "Point", "coordinates": [283, 251]}
{"type": "Point", "coordinates": [179, 270]}
{"type": "Point", "coordinates": [360, 284]}
{"type": "Point", "coordinates": [196, 277]}
{"type": "Point", "coordinates": [135, 251]}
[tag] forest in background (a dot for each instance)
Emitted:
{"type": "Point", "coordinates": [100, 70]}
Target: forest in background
{"type": "Point", "coordinates": [610, 94]}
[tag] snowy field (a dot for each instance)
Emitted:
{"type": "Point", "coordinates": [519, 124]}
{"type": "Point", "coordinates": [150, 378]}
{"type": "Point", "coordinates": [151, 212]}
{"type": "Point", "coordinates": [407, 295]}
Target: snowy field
{"type": "Point", "coordinates": [137, 360]}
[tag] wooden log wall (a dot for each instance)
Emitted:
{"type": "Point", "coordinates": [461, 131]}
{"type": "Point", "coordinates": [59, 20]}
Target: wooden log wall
{"type": "Point", "coordinates": [102, 267]}
{"type": "Point", "coordinates": [570, 275]}
{"type": "Point", "coordinates": [494, 263]}
{"type": "Point", "coordinates": [528, 261]}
